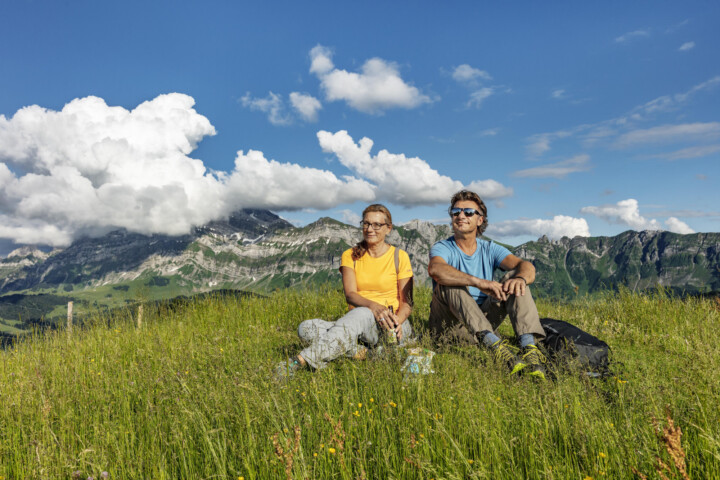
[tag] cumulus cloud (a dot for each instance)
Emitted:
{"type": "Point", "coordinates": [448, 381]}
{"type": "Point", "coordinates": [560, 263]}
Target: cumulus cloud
{"type": "Point", "coordinates": [92, 168]}
{"type": "Point", "coordinates": [270, 184]}
{"type": "Point", "coordinates": [669, 134]}
{"type": "Point", "coordinates": [350, 217]}
{"type": "Point", "coordinates": [273, 105]}
{"type": "Point", "coordinates": [579, 163]}
{"type": "Point", "coordinates": [399, 179]}
{"type": "Point", "coordinates": [307, 106]}
{"type": "Point", "coordinates": [632, 35]}
{"type": "Point", "coordinates": [466, 74]}
{"type": "Point", "coordinates": [678, 226]}
{"type": "Point", "coordinates": [625, 212]}
{"type": "Point", "coordinates": [376, 88]}
{"type": "Point", "coordinates": [686, 46]}
{"type": "Point", "coordinates": [557, 227]}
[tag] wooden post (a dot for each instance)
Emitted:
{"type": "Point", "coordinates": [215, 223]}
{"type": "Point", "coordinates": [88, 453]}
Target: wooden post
{"type": "Point", "coordinates": [139, 319]}
{"type": "Point", "coordinates": [69, 319]}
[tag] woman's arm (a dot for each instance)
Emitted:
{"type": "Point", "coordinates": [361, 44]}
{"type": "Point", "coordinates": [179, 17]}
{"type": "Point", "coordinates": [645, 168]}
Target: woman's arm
{"type": "Point", "coordinates": [353, 298]}
{"type": "Point", "coordinates": [405, 287]}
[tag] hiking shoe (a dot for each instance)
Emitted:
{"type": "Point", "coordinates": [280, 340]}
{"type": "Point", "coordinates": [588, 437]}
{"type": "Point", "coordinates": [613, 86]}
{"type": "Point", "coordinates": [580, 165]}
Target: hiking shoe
{"type": "Point", "coordinates": [287, 368]}
{"type": "Point", "coordinates": [534, 359]}
{"type": "Point", "coordinates": [503, 354]}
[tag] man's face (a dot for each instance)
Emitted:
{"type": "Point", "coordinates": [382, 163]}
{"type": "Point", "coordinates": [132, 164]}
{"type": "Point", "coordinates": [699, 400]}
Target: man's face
{"type": "Point", "coordinates": [464, 224]}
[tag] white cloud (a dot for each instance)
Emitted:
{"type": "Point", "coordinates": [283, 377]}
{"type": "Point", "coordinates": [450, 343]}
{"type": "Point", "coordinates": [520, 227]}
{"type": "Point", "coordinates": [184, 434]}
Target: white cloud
{"type": "Point", "coordinates": [630, 35]}
{"type": "Point", "coordinates": [273, 105]}
{"type": "Point", "coordinates": [490, 132]}
{"type": "Point", "coordinates": [670, 133]}
{"type": "Point", "coordinates": [466, 74]}
{"type": "Point", "coordinates": [686, 46]}
{"type": "Point", "coordinates": [690, 152]}
{"type": "Point", "coordinates": [307, 106]}
{"type": "Point", "coordinates": [558, 94]}
{"type": "Point", "coordinates": [376, 88]}
{"type": "Point", "coordinates": [399, 179]}
{"type": "Point", "coordinates": [350, 217]}
{"type": "Point", "coordinates": [678, 226]}
{"type": "Point", "coordinates": [579, 163]}
{"type": "Point", "coordinates": [477, 97]}
{"type": "Point", "coordinates": [270, 184]}
{"type": "Point", "coordinates": [557, 227]}
{"type": "Point", "coordinates": [539, 144]}
{"type": "Point", "coordinates": [625, 212]}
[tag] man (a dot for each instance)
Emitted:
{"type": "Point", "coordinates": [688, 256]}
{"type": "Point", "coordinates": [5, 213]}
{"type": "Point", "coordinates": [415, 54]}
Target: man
{"type": "Point", "coordinates": [467, 305]}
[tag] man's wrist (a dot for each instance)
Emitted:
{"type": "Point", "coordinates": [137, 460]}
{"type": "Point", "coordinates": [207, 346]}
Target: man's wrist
{"type": "Point", "coordinates": [521, 278]}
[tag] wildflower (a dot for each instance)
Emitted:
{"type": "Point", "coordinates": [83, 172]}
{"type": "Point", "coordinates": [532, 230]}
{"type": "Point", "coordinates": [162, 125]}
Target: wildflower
{"type": "Point", "coordinates": [588, 478]}
{"type": "Point", "coordinates": [322, 445]}
{"type": "Point", "coordinates": [438, 416]}
{"type": "Point", "coordinates": [285, 430]}
{"type": "Point", "coordinates": [471, 462]}
{"type": "Point", "coordinates": [331, 450]}
{"type": "Point", "coordinates": [612, 425]}
{"type": "Point", "coordinates": [356, 413]}
{"type": "Point", "coordinates": [359, 405]}
{"type": "Point", "coordinates": [422, 435]}
{"type": "Point", "coordinates": [105, 475]}
{"type": "Point", "coordinates": [241, 478]}
{"type": "Point", "coordinates": [315, 454]}
{"type": "Point", "coordinates": [393, 404]}
{"type": "Point", "coordinates": [602, 455]}
{"type": "Point", "coordinates": [369, 410]}
{"type": "Point", "coordinates": [372, 400]}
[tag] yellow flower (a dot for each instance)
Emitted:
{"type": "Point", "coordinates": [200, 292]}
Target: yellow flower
{"type": "Point", "coordinates": [422, 435]}
{"type": "Point", "coordinates": [393, 404]}
{"type": "Point", "coordinates": [602, 455]}
{"type": "Point", "coordinates": [372, 400]}
{"type": "Point", "coordinates": [588, 478]}
{"type": "Point", "coordinates": [322, 445]}
{"type": "Point", "coordinates": [331, 450]}
{"type": "Point", "coordinates": [369, 410]}
{"type": "Point", "coordinates": [471, 462]}
{"type": "Point", "coordinates": [285, 430]}
{"type": "Point", "coordinates": [359, 405]}
{"type": "Point", "coordinates": [221, 350]}
{"type": "Point", "coordinates": [356, 413]}
{"type": "Point", "coordinates": [315, 454]}
{"type": "Point", "coordinates": [241, 478]}
{"type": "Point", "coordinates": [612, 425]}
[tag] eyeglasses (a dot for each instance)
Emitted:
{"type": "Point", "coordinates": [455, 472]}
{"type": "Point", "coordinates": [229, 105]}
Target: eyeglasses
{"type": "Point", "coordinates": [469, 212]}
{"type": "Point", "coordinates": [374, 225]}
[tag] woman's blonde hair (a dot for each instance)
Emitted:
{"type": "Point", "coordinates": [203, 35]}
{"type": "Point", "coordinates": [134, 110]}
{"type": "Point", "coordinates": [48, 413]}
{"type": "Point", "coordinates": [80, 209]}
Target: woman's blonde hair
{"type": "Point", "coordinates": [361, 247]}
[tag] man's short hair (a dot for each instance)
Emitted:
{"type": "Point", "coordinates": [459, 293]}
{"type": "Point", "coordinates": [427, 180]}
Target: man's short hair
{"type": "Point", "coordinates": [473, 197]}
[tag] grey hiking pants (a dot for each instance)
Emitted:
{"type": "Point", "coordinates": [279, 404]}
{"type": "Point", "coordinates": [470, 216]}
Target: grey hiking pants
{"type": "Point", "coordinates": [329, 340]}
{"type": "Point", "coordinates": [455, 316]}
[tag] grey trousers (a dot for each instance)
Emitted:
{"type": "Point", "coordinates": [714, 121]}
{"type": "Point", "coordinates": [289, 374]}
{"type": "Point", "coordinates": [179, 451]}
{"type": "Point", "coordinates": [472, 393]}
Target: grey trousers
{"type": "Point", "coordinates": [456, 317]}
{"type": "Point", "coordinates": [329, 340]}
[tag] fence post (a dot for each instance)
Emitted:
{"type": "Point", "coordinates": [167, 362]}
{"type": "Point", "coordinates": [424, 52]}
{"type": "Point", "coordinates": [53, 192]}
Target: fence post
{"type": "Point", "coordinates": [69, 318]}
{"type": "Point", "coordinates": [140, 315]}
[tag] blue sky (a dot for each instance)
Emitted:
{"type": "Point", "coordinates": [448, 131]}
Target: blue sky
{"type": "Point", "coordinates": [569, 118]}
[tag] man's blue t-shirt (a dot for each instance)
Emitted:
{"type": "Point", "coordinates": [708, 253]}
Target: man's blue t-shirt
{"type": "Point", "coordinates": [482, 264]}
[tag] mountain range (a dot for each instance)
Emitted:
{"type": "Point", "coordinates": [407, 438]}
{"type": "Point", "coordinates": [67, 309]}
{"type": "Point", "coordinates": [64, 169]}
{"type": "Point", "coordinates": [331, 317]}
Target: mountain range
{"type": "Point", "coordinates": [256, 250]}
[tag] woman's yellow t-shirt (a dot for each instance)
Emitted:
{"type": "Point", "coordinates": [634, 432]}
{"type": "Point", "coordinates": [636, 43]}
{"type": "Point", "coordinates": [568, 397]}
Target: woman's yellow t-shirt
{"type": "Point", "coordinates": [376, 277]}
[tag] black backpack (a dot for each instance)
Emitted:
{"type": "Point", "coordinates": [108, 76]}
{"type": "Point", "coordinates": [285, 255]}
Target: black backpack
{"type": "Point", "coordinates": [569, 346]}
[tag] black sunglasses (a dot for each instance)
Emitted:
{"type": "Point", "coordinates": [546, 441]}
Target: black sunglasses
{"type": "Point", "coordinates": [469, 212]}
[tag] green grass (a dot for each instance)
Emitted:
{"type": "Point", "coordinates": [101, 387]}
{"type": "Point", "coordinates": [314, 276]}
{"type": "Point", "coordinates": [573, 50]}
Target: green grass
{"type": "Point", "coordinates": [189, 395]}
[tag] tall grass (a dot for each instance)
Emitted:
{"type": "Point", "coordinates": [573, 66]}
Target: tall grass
{"type": "Point", "coordinates": [190, 395]}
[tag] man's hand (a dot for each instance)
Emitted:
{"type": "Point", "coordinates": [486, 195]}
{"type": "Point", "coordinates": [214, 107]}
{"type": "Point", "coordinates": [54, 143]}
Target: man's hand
{"type": "Point", "coordinates": [514, 286]}
{"type": "Point", "coordinates": [494, 289]}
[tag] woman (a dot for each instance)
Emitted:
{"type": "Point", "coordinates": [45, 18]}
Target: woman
{"type": "Point", "coordinates": [378, 289]}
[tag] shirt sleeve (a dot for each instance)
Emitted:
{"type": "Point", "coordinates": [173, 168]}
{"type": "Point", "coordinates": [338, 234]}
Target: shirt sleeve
{"type": "Point", "coordinates": [404, 267]}
{"type": "Point", "coordinates": [346, 260]}
{"type": "Point", "coordinates": [440, 249]}
{"type": "Point", "coordinates": [498, 254]}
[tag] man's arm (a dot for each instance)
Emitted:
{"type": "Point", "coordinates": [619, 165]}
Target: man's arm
{"type": "Point", "coordinates": [524, 275]}
{"type": "Point", "coordinates": [445, 274]}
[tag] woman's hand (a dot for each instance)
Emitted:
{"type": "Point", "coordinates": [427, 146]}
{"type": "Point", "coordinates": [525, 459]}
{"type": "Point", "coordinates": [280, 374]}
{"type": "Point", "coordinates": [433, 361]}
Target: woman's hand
{"type": "Point", "coordinates": [383, 316]}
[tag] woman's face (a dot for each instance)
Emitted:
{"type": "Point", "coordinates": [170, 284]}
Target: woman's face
{"type": "Point", "coordinates": [371, 234]}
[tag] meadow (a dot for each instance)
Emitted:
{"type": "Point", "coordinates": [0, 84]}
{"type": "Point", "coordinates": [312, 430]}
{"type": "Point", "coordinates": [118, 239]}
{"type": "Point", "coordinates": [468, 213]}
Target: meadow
{"type": "Point", "coordinates": [190, 395]}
